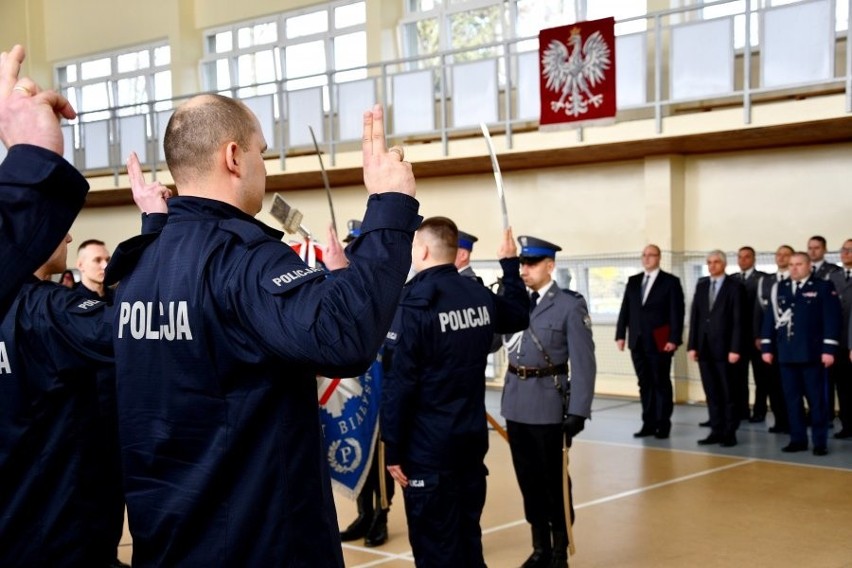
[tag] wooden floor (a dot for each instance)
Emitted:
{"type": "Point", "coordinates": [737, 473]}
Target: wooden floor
{"type": "Point", "coordinates": [665, 503]}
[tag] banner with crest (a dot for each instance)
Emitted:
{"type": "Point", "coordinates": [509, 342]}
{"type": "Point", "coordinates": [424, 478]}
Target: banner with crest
{"type": "Point", "coordinates": [577, 74]}
{"type": "Point", "coordinates": [349, 412]}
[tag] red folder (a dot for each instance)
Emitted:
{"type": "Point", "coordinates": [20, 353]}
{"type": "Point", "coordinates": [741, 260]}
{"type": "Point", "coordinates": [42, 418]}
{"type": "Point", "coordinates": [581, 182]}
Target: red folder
{"type": "Point", "coordinates": [661, 336]}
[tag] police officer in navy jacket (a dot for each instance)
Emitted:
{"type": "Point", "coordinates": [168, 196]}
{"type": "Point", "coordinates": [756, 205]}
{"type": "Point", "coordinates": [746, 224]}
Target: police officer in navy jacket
{"type": "Point", "coordinates": [539, 412]}
{"type": "Point", "coordinates": [40, 193]}
{"type": "Point", "coordinates": [803, 329]}
{"type": "Point", "coordinates": [433, 397]}
{"type": "Point", "coordinates": [52, 341]}
{"type": "Point", "coordinates": [220, 331]}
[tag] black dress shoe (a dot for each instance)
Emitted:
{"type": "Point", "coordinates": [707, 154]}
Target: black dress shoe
{"type": "Point", "coordinates": [357, 529]}
{"type": "Point", "coordinates": [728, 441]}
{"type": "Point", "coordinates": [644, 433]}
{"type": "Point", "coordinates": [711, 439]}
{"type": "Point", "coordinates": [756, 419]}
{"type": "Point", "coordinates": [795, 447]}
{"type": "Point", "coordinates": [778, 430]}
{"type": "Point", "coordinates": [820, 451]}
{"type": "Point", "coordinates": [705, 424]}
{"type": "Point", "coordinates": [377, 534]}
{"type": "Point", "coordinates": [844, 434]}
{"type": "Point", "coordinates": [661, 434]}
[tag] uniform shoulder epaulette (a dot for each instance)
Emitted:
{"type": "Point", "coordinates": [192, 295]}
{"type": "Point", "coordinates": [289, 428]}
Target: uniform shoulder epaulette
{"type": "Point", "coordinates": [70, 300]}
{"type": "Point", "coordinates": [574, 294]}
{"type": "Point", "coordinates": [249, 233]}
{"type": "Point", "coordinates": [126, 256]}
{"type": "Point", "coordinates": [419, 296]}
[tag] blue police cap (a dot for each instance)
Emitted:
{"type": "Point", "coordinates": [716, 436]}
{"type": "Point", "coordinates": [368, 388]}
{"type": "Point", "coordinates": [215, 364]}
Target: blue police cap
{"type": "Point", "coordinates": [466, 240]}
{"type": "Point", "coordinates": [353, 230]}
{"type": "Point", "coordinates": [534, 249]}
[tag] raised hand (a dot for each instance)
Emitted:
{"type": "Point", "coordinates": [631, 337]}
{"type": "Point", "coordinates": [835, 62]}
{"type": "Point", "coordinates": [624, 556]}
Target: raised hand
{"type": "Point", "coordinates": [149, 197]}
{"type": "Point", "coordinates": [508, 248]}
{"type": "Point", "coordinates": [384, 171]}
{"type": "Point", "coordinates": [29, 115]}
{"type": "Point", "coordinates": [332, 255]}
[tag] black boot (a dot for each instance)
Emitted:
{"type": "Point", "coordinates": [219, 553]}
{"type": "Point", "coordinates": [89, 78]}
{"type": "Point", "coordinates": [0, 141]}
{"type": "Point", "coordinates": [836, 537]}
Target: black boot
{"type": "Point", "coordinates": [540, 556]}
{"type": "Point", "coordinates": [358, 528]}
{"type": "Point", "coordinates": [377, 534]}
{"type": "Point", "coordinates": [559, 558]}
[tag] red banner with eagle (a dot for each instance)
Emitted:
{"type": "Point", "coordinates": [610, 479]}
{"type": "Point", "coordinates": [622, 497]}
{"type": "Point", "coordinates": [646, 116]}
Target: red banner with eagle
{"type": "Point", "coordinates": [577, 73]}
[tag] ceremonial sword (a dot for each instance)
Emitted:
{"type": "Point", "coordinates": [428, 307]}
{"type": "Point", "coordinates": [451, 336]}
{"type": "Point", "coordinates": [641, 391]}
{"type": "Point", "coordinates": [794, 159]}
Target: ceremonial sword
{"type": "Point", "coordinates": [498, 177]}
{"type": "Point", "coordinates": [324, 180]}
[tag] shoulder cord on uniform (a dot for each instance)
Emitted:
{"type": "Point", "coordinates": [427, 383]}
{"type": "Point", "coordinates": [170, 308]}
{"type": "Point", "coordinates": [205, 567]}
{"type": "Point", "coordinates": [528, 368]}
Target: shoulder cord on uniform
{"type": "Point", "coordinates": [784, 318]}
{"type": "Point", "coordinates": [562, 394]}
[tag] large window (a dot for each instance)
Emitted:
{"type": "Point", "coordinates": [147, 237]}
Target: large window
{"type": "Point", "coordinates": [737, 9]}
{"type": "Point", "coordinates": [432, 26]}
{"type": "Point", "coordinates": [300, 48]}
{"type": "Point", "coordinates": [125, 81]}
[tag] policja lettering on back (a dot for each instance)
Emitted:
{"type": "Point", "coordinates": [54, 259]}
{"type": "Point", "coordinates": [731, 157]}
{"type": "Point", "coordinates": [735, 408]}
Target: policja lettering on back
{"type": "Point", "coordinates": [142, 325]}
{"type": "Point", "coordinates": [464, 319]}
{"type": "Point", "coordinates": [5, 366]}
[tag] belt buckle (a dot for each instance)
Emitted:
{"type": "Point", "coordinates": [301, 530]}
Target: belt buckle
{"type": "Point", "coordinates": [522, 373]}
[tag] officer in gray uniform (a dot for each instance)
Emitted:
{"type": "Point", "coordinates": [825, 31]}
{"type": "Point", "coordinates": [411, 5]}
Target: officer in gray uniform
{"type": "Point", "coordinates": [462, 263]}
{"type": "Point", "coordinates": [540, 404]}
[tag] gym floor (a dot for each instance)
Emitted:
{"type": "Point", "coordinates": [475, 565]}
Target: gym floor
{"type": "Point", "coordinates": [663, 503]}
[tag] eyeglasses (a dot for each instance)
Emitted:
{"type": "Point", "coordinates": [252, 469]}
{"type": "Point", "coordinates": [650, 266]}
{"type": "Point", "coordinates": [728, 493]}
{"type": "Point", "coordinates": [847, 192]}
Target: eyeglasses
{"type": "Point", "coordinates": [846, 250]}
{"type": "Point", "coordinates": [649, 254]}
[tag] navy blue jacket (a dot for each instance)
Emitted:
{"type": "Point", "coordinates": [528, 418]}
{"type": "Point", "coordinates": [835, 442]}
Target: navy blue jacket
{"type": "Point", "coordinates": [51, 342]}
{"type": "Point", "coordinates": [40, 196]}
{"type": "Point", "coordinates": [814, 322]}
{"type": "Point", "coordinates": [433, 392]}
{"type": "Point", "coordinates": [220, 331]}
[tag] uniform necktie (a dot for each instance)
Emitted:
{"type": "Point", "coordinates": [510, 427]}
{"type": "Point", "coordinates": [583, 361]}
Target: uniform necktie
{"type": "Point", "coordinates": [713, 284]}
{"type": "Point", "coordinates": [848, 274]}
{"type": "Point", "coordinates": [645, 286]}
{"type": "Point", "coordinates": [534, 300]}
{"type": "Point", "coordinates": [796, 287]}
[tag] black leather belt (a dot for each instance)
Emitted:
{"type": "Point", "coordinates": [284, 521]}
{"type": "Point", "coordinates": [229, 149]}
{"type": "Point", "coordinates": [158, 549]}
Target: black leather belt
{"type": "Point", "coordinates": [527, 372]}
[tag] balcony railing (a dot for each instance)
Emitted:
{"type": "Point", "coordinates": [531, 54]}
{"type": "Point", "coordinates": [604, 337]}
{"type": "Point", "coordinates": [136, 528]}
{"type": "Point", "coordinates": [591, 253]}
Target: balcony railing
{"type": "Point", "coordinates": [684, 60]}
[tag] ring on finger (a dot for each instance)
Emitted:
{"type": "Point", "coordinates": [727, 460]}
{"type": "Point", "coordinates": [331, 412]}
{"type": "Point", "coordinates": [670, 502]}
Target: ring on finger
{"type": "Point", "coordinates": [23, 89]}
{"type": "Point", "coordinates": [399, 151]}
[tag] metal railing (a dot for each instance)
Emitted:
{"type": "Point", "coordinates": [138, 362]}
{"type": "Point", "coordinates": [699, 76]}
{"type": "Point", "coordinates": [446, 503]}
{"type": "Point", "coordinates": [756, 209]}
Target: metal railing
{"type": "Point", "coordinates": [101, 146]}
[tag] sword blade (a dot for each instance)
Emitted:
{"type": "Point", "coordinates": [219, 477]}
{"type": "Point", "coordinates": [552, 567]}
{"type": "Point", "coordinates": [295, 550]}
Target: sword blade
{"type": "Point", "coordinates": [498, 177]}
{"type": "Point", "coordinates": [324, 180]}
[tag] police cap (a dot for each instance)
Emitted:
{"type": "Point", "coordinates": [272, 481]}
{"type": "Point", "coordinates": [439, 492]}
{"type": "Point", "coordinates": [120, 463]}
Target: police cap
{"type": "Point", "coordinates": [353, 230]}
{"type": "Point", "coordinates": [533, 249]}
{"type": "Point", "coordinates": [466, 240]}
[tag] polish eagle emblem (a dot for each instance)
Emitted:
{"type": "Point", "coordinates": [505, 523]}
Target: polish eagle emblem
{"type": "Point", "coordinates": [573, 69]}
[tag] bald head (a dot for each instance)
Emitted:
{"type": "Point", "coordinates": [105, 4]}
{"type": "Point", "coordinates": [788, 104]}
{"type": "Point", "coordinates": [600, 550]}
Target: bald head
{"type": "Point", "coordinates": [198, 129]}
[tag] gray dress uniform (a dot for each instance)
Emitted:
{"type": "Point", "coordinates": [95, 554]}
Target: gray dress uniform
{"type": "Point", "coordinates": [533, 407]}
{"type": "Point", "coordinates": [562, 324]}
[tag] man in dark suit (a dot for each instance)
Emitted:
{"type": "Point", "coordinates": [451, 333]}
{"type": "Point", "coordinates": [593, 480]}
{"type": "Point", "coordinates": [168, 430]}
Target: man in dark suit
{"type": "Point", "coordinates": [842, 280]}
{"type": "Point", "coordinates": [652, 311]}
{"type": "Point", "coordinates": [716, 342]}
{"type": "Point", "coordinates": [750, 277]}
{"type": "Point", "coordinates": [803, 328]}
{"type": "Point", "coordinates": [762, 310]}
